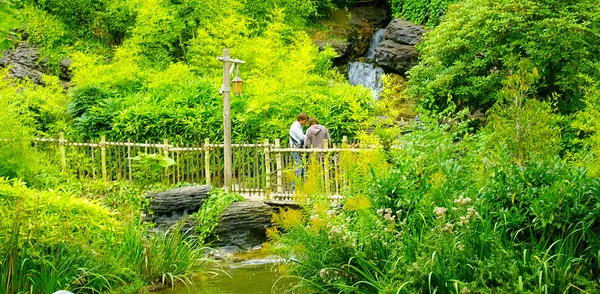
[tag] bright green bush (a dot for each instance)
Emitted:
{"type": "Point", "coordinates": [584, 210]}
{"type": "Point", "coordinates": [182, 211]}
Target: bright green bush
{"type": "Point", "coordinates": [453, 215]}
{"type": "Point", "coordinates": [62, 241]}
{"type": "Point", "coordinates": [465, 60]}
{"type": "Point", "coordinates": [209, 214]}
{"type": "Point", "coordinates": [28, 110]}
{"type": "Point", "coordinates": [8, 22]}
{"type": "Point", "coordinates": [426, 12]}
{"type": "Point", "coordinates": [126, 100]}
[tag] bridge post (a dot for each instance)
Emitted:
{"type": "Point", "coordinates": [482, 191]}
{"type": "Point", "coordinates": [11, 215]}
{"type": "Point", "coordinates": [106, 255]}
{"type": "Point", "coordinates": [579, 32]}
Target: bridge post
{"type": "Point", "coordinates": [129, 159]}
{"type": "Point", "coordinates": [61, 147]}
{"type": "Point", "coordinates": [279, 167]}
{"type": "Point", "coordinates": [326, 158]}
{"type": "Point", "coordinates": [103, 156]}
{"type": "Point", "coordinates": [267, 169]}
{"type": "Point", "coordinates": [207, 160]}
{"type": "Point", "coordinates": [166, 154]}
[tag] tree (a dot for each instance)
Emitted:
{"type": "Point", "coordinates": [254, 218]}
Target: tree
{"type": "Point", "coordinates": [479, 43]}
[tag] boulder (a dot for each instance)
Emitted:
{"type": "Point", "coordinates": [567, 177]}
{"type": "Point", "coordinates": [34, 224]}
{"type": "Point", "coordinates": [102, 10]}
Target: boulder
{"type": "Point", "coordinates": [243, 224]}
{"type": "Point", "coordinates": [65, 70]}
{"type": "Point", "coordinates": [341, 47]}
{"type": "Point", "coordinates": [179, 201]}
{"type": "Point", "coordinates": [24, 62]}
{"type": "Point", "coordinates": [349, 31]}
{"type": "Point", "coordinates": [375, 16]}
{"type": "Point", "coordinates": [404, 32]}
{"type": "Point", "coordinates": [396, 57]}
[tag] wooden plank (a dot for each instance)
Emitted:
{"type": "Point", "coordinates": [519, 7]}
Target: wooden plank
{"type": "Point", "coordinates": [267, 170]}
{"type": "Point", "coordinates": [103, 157]}
{"type": "Point", "coordinates": [279, 163]}
{"type": "Point", "coordinates": [61, 147]}
{"type": "Point", "coordinates": [207, 160]}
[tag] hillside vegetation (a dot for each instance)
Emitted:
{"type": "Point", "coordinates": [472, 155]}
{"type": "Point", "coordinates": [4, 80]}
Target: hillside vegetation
{"type": "Point", "coordinates": [493, 188]}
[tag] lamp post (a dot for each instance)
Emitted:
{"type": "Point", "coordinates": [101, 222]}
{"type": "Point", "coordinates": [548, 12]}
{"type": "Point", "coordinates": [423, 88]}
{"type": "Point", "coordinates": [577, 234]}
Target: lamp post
{"type": "Point", "coordinates": [228, 66]}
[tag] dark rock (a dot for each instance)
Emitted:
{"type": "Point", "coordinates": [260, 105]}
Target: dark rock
{"type": "Point", "coordinates": [164, 223]}
{"type": "Point", "coordinates": [396, 57]}
{"type": "Point", "coordinates": [341, 47]}
{"type": "Point", "coordinates": [349, 31]}
{"type": "Point", "coordinates": [65, 71]}
{"type": "Point", "coordinates": [373, 16]}
{"type": "Point", "coordinates": [24, 62]}
{"type": "Point", "coordinates": [178, 202]}
{"type": "Point", "coordinates": [404, 32]}
{"type": "Point", "coordinates": [243, 224]}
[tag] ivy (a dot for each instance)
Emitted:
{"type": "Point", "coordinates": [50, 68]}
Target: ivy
{"type": "Point", "coordinates": [210, 212]}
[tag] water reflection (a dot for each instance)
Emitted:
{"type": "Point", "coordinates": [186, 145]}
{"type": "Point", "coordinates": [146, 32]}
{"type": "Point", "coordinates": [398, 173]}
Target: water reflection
{"type": "Point", "coordinates": [246, 279]}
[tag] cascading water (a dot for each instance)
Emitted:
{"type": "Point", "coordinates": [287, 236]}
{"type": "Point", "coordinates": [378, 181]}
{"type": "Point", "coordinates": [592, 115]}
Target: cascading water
{"type": "Point", "coordinates": [367, 74]}
{"type": "Point", "coordinates": [377, 38]}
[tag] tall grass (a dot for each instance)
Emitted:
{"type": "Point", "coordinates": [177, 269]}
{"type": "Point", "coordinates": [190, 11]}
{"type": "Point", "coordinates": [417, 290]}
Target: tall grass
{"type": "Point", "coordinates": [48, 244]}
{"type": "Point", "coordinates": [452, 217]}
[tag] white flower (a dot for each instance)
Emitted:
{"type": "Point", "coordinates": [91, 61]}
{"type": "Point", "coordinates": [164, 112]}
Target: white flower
{"type": "Point", "coordinates": [323, 273]}
{"type": "Point", "coordinates": [448, 228]}
{"type": "Point", "coordinates": [440, 211]}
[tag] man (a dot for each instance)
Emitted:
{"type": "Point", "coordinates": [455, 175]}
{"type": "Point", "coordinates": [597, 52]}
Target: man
{"type": "Point", "coordinates": [297, 141]}
{"type": "Point", "coordinates": [296, 132]}
{"type": "Point", "coordinates": [316, 135]}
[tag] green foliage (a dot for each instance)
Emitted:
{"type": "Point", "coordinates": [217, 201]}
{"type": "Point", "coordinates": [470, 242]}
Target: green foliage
{"type": "Point", "coordinates": [427, 12]}
{"type": "Point", "coordinates": [7, 22]}
{"type": "Point", "coordinates": [525, 128]}
{"type": "Point", "coordinates": [28, 111]}
{"type": "Point", "coordinates": [209, 214]}
{"type": "Point", "coordinates": [148, 166]}
{"type": "Point", "coordinates": [161, 79]}
{"type": "Point", "coordinates": [297, 11]}
{"type": "Point", "coordinates": [61, 241]}
{"type": "Point", "coordinates": [457, 213]}
{"type": "Point", "coordinates": [284, 74]}
{"type": "Point", "coordinates": [466, 59]}
{"type": "Point", "coordinates": [585, 126]}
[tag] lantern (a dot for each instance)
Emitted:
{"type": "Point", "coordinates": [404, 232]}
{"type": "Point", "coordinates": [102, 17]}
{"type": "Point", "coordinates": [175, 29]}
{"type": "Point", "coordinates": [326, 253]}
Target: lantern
{"type": "Point", "coordinates": [237, 83]}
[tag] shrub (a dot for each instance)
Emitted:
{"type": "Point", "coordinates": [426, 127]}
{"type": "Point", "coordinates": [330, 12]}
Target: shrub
{"type": "Point", "coordinates": [60, 241]}
{"type": "Point", "coordinates": [421, 11]}
{"type": "Point", "coordinates": [465, 60]}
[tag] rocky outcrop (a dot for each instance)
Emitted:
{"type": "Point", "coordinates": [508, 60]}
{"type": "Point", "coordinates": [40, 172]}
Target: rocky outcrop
{"type": "Point", "coordinates": [396, 57]}
{"type": "Point", "coordinates": [180, 200]}
{"type": "Point", "coordinates": [24, 62]}
{"type": "Point", "coordinates": [65, 69]}
{"type": "Point", "coordinates": [349, 31]}
{"type": "Point", "coordinates": [171, 206]}
{"type": "Point", "coordinates": [404, 32]}
{"type": "Point", "coordinates": [243, 224]}
{"type": "Point", "coordinates": [397, 52]}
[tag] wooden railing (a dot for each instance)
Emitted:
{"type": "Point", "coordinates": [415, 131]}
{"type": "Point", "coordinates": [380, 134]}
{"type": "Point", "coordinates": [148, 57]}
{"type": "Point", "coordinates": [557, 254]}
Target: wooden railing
{"type": "Point", "coordinates": [265, 169]}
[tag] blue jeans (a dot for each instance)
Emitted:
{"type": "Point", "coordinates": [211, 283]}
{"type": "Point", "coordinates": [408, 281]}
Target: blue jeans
{"type": "Point", "coordinates": [299, 168]}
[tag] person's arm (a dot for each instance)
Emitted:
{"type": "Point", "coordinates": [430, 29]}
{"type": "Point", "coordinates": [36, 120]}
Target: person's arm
{"type": "Point", "coordinates": [327, 137]}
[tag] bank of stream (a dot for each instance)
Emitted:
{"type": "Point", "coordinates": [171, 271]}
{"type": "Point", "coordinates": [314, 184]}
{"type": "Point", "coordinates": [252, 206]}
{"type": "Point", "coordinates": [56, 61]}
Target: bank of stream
{"type": "Point", "coordinates": [253, 276]}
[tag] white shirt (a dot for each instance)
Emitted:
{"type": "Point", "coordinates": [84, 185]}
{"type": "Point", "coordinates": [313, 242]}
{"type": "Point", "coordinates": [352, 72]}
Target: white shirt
{"type": "Point", "coordinates": [296, 135]}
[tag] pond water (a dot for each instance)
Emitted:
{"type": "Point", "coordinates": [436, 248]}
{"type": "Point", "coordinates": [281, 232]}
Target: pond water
{"type": "Point", "coordinates": [247, 277]}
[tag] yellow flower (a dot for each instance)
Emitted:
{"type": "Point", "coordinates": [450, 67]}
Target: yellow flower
{"type": "Point", "coordinates": [358, 203]}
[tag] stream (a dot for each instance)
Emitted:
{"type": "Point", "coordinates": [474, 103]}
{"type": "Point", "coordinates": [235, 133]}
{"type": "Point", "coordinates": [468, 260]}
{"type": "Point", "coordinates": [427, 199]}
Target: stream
{"type": "Point", "coordinates": [255, 276]}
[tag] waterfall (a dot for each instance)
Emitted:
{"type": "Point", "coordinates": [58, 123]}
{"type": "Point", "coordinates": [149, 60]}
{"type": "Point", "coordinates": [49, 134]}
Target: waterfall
{"type": "Point", "coordinates": [367, 74]}
{"type": "Point", "coordinates": [377, 38]}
